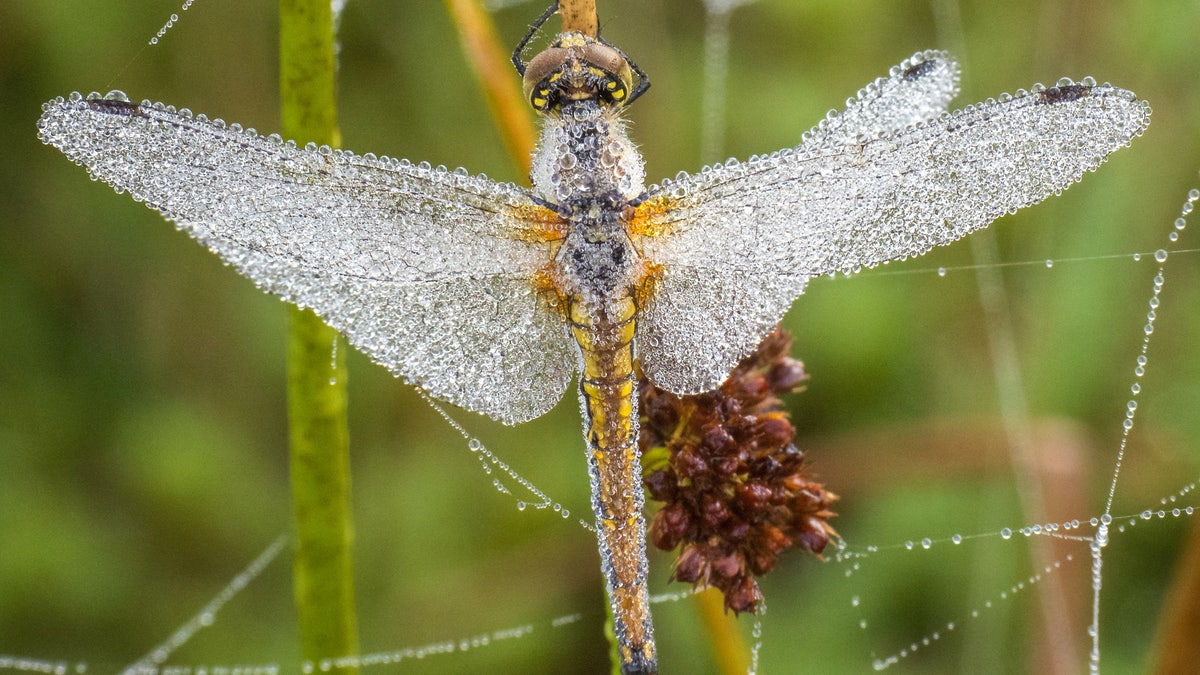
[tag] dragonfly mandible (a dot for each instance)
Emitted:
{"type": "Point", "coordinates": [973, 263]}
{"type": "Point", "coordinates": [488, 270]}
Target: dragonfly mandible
{"type": "Point", "coordinates": [494, 296]}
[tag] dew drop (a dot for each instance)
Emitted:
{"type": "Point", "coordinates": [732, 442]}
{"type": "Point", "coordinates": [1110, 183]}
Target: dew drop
{"type": "Point", "coordinates": [1006, 533]}
{"type": "Point", "coordinates": [1049, 263]}
{"type": "Point", "coordinates": [956, 539]}
{"type": "Point", "coordinates": [926, 543]}
{"type": "Point", "coordinates": [941, 271]}
{"type": "Point", "coordinates": [1160, 255]}
{"type": "Point", "coordinates": [521, 505]}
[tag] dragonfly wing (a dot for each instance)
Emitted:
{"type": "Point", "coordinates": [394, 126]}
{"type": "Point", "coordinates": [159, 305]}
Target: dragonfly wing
{"type": "Point", "coordinates": [737, 243]}
{"type": "Point", "coordinates": [917, 90]}
{"type": "Point", "coordinates": [428, 272]}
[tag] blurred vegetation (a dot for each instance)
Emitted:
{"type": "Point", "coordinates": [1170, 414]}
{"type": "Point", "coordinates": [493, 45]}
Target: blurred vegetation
{"type": "Point", "coordinates": [142, 414]}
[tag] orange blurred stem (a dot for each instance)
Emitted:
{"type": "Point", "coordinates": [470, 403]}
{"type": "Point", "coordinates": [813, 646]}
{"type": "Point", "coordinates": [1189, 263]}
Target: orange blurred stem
{"type": "Point", "coordinates": [496, 77]}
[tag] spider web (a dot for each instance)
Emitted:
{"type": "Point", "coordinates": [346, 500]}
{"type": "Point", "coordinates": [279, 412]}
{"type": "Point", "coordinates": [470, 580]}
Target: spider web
{"type": "Point", "coordinates": [132, 515]}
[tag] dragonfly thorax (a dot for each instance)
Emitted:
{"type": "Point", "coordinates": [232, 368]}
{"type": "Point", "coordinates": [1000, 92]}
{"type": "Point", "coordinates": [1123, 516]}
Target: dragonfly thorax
{"type": "Point", "coordinates": [584, 153]}
{"type": "Point", "coordinates": [586, 165]}
{"type": "Point", "coordinates": [597, 262]}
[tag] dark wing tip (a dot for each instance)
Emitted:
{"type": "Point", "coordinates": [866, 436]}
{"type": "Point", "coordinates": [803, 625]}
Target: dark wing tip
{"type": "Point", "coordinates": [1064, 93]}
{"type": "Point", "coordinates": [919, 70]}
{"type": "Point", "coordinates": [110, 106]}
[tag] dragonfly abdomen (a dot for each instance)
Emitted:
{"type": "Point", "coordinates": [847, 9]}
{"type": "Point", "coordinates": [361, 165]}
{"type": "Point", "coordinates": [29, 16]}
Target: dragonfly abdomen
{"type": "Point", "coordinates": [606, 389]}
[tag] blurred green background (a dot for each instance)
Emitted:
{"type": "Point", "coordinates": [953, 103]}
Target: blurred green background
{"type": "Point", "coordinates": [142, 431]}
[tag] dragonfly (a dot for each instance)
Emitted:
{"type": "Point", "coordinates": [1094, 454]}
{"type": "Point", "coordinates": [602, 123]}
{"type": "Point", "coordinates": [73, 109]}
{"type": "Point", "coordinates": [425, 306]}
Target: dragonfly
{"type": "Point", "coordinates": [494, 296]}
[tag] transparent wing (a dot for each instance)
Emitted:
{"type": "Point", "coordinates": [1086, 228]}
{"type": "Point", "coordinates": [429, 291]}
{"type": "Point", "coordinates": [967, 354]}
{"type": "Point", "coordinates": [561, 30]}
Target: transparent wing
{"type": "Point", "coordinates": [917, 90]}
{"type": "Point", "coordinates": [737, 243]}
{"type": "Point", "coordinates": [426, 271]}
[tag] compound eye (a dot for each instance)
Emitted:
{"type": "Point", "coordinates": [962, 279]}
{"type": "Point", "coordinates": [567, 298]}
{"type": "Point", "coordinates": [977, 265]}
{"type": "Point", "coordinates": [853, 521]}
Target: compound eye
{"type": "Point", "coordinates": [537, 85]}
{"type": "Point", "coordinates": [618, 76]}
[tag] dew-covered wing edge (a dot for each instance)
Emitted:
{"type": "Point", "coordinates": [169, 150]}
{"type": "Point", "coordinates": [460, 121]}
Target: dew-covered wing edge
{"type": "Point", "coordinates": [755, 232]}
{"type": "Point", "coordinates": [426, 271]}
{"type": "Point", "coordinates": [918, 89]}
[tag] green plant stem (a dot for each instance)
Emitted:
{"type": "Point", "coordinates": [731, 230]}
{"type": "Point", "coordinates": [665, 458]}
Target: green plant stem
{"type": "Point", "coordinates": [320, 449]}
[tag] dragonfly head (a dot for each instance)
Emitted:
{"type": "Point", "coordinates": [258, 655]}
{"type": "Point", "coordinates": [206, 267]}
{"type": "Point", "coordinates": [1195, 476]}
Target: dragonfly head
{"type": "Point", "coordinates": [578, 68]}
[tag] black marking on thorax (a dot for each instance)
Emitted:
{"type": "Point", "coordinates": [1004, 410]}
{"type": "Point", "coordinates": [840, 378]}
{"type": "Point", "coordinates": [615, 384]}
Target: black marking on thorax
{"type": "Point", "coordinates": [601, 254]}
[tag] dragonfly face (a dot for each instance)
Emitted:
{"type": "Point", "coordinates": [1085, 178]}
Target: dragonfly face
{"type": "Point", "coordinates": [493, 296]}
{"type": "Point", "coordinates": [577, 68]}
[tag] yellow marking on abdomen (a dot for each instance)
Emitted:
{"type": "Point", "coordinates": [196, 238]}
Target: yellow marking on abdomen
{"type": "Point", "coordinates": [607, 387]}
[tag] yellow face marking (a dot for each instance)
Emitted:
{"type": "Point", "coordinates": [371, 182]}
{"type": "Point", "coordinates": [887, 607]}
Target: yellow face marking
{"type": "Point", "coordinates": [572, 39]}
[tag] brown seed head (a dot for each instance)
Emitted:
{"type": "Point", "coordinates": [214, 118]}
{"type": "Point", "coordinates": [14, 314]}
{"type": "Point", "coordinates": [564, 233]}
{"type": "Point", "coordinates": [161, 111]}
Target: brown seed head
{"type": "Point", "coordinates": [734, 490]}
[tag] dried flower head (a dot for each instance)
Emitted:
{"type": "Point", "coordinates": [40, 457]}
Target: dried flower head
{"type": "Point", "coordinates": [731, 482]}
